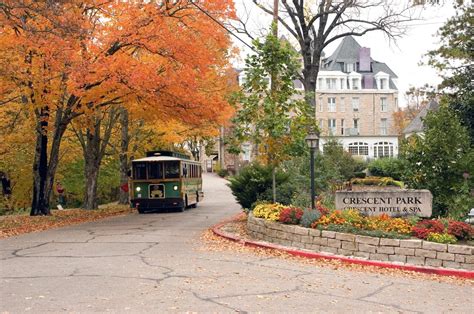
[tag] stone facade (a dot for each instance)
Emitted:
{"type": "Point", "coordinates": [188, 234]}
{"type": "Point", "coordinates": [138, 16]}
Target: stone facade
{"type": "Point", "coordinates": [412, 251]}
{"type": "Point", "coordinates": [369, 112]}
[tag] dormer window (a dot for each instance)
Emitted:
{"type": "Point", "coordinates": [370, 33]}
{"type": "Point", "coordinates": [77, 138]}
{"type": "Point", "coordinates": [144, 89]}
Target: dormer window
{"type": "Point", "coordinates": [331, 83]}
{"type": "Point", "coordinates": [355, 83]}
{"type": "Point", "coordinates": [382, 80]}
{"type": "Point", "coordinates": [350, 67]}
{"type": "Point", "coordinates": [320, 83]}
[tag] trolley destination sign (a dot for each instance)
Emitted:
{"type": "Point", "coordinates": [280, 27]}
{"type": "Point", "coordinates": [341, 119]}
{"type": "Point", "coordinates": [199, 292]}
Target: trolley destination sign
{"type": "Point", "coordinates": [393, 203]}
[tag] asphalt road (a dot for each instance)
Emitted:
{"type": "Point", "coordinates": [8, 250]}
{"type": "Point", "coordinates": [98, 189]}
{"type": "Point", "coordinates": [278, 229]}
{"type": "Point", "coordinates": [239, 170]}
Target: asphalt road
{"type": "Point", "coordinates": [153, 263]}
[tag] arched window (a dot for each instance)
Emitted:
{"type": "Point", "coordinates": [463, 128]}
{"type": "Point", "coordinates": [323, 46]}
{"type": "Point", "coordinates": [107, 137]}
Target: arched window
{"type": "Point", "coordinates": [359, 149]}
{"type": "Point", "coordinates": [383, 149]}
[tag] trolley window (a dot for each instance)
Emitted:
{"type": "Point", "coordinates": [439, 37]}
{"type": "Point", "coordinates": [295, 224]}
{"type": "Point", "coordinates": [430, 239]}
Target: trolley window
{"type": "Point", "coordinates": [172, 170]}
{"type": "Point", "coordinates": [155, 170]}
{"type": "Point", "coordinates": [139, 171]}
{"type": "Point", "coordinates": [185, 170]}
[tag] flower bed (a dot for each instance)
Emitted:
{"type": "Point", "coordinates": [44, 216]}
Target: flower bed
{"type": "Point", "coordinates": [376, 237]}
{"type": "Point", "coordinates": [352, 221]}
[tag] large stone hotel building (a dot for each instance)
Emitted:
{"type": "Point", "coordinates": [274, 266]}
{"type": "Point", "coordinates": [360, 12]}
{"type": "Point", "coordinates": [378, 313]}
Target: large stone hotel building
{"type": "Point", "coordinates": [356, 97]}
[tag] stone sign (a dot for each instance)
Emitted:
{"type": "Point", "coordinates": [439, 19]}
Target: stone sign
{"type": "Point", "coordinates": [393, 203]}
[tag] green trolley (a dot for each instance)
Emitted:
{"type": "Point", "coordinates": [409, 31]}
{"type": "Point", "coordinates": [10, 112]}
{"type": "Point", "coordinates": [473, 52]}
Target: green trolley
{"type": "Point", "coordinates": [165, 180]}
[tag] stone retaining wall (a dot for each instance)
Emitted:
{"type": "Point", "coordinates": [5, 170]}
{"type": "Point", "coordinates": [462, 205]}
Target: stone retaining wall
{"type": "Point", "coordinates": [412, 251]}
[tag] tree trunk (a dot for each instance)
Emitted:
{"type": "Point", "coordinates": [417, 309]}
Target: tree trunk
{"type": "Point", "coordinates": [124, 164]}
{"type": "Point", "coordinates": [93, 147]}
{"type": "Point", "coordinates": [91, 167]}
{"type": "Point", "coordinates": [91, 172]}
{"type": "Point", "coordinates": [40, 202]}
{"type": "Point", "coordinates": [274, 183]}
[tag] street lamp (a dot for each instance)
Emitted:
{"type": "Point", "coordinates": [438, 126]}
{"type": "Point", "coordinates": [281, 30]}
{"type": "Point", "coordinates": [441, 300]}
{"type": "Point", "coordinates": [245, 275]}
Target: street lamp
{"type": "Point", "coordinates": [312, 140]}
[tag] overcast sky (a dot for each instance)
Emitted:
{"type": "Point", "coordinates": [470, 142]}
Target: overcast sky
{"type": "Point", "coordinates": [403, 56]}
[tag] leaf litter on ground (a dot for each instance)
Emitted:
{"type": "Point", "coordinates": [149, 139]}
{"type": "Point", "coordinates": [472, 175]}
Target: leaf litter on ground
{"type": "Point", "coordinates": [237, 228]}
{"type": "Point", "coordinates": [13, 225]}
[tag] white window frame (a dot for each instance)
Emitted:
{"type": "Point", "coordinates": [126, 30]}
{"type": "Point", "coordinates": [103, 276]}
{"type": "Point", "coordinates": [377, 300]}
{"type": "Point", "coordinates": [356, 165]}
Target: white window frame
{"type": "Point", "coordinates": [246, 152]}
{"type": "Point", "coordinates": [321, 104]}
{"type": "Point", "coordinates": [342, 126]}
{"type": "Point", "coordinates": [356, 124]}
{"type": "Point", "coordinates": [383, 126]}
{"type": "Point", "coordinates": [383, 149]}
{"type": "Point", "coordinates": [350, 67]}
{"type": "Point", "coordinates": [332, 126]}
{"type": "Point", "coordinates": [331, 83]}
{"type": "Point", "coordinates": [331, 104]}
{"type": "Point", "coordinates": [320, 83]}
{"type": "Point", "coordinates": [355, 83]}
{"type": "Point", "coordinates": [355, 104]}
{"type": "Point", "coordinates": [383, 104]}
{"type": "Point", "coordinates": [358, 149]}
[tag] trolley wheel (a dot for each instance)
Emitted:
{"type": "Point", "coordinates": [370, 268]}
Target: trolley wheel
{"type": "Point", "coordinates": [185, 204]}
{"type": "Point", "coordinates": [197, 200]}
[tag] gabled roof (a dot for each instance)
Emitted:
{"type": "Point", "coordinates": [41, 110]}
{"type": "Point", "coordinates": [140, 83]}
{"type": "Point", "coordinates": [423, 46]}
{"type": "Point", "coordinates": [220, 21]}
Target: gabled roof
{"type": "Point", "coordinates": [416, 125]}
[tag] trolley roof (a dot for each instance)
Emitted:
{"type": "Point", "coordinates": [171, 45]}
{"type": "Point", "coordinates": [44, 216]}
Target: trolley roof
{"type": "Point", "coordinates": [163, 158]}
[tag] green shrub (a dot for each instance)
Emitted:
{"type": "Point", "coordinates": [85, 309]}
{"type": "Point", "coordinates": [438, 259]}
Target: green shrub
{"type": "Point", "coordinates": [222, 173]}
{"type": "Point", "coordinates": [252, 181]}
{"type": "Point", "coordinates": [284, 193]}
{"type": "Point", "coordinates": [441, 238]}
{"type": "Point", "coordinates": [377, 181]}
{"type": "Point", "coordinates": [388, 167]}
{"type": "Point", "coordinates": [309, 216]}
{"type": "Point", "coordinates": [360, 174]}
{"type": "Point", "coordinates": [438, 160]}
{"type": "Point", "coordinates": [338, 161]}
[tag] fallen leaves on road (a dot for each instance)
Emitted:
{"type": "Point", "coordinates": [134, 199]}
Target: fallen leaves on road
{"type": "Point", "coordinates": [19, 224]}
{"type": "Point", "coordinates": [238, 228]}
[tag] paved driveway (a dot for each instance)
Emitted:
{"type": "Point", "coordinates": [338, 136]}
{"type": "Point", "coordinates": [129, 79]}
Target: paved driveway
{"type": "Point", "coordinates": [151, 263]}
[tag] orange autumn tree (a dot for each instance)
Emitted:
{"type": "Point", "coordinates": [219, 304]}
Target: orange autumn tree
{"type": "Point", "coordinates": [65, 59]}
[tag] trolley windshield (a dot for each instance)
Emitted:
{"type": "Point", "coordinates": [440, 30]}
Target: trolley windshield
{"type": "Point", "coordinates": [155, 170]}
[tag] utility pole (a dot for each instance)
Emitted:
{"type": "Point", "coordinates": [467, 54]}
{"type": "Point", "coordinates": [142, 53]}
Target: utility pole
{"type": "Point", "coordinates": [273, 90]}
{"type": "Point", "coordinates": [275, 17]}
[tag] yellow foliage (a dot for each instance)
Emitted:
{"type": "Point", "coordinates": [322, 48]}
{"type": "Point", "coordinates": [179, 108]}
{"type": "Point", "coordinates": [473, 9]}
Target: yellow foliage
{"type": "Point", "coordinates": [268, 211]}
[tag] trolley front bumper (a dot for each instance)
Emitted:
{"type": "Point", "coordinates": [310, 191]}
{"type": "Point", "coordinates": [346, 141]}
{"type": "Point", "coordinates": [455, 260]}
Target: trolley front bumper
{"type": "Point", "coordinates": [149, 205]}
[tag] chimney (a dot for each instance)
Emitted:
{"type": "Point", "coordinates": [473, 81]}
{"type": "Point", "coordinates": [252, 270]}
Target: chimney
{"type": "Point", "coordinates": [368, 82]}
{"type": "Point", "coordinates": [364, 59]}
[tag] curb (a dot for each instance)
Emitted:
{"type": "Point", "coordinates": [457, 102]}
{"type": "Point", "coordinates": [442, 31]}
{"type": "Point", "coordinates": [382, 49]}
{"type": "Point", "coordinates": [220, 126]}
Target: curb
{"type": "Point", "coordinates": [350, 260]}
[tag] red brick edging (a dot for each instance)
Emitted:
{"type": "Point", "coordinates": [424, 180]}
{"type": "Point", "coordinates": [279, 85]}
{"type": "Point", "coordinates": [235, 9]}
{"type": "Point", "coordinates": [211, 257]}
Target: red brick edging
{"type": "Point", "coordinates": [313, 255]}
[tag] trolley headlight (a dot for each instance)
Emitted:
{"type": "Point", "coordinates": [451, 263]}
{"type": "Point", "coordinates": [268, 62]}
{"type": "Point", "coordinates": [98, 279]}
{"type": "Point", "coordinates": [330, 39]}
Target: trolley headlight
{"type": "Point", "coordinates": [138, 189]}
{"type": "Point", "coordinates": [175, 188]}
